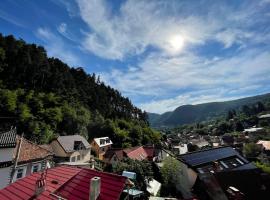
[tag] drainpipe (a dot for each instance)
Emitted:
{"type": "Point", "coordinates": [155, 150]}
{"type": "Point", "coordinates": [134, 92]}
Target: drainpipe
{"type": "Point", "coordinates": [16, 159]}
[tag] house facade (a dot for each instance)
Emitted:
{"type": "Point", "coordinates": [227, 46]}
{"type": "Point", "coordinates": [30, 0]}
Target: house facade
{"type": "Point", "coordinates": [100, 146]}
{"type": "Point", "coordinates": [71, 148]}
{"type": "Point", "coordinates": [29, 158]}
{"type": "Point", "coordinates": [20, 157]}
{"type": "Point", "coordinates": [7, 146]}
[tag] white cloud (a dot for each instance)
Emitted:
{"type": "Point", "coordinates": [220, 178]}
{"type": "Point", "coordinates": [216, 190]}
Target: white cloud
{"type": "Point", "coordinates": [55, 46]}
{"type": "Point", "coordinates": [163, 74]}
{"type": "Point", "coordinates": [140, 24]}
{"type": "Point", "coordinates": [62, 28]}
{"type": "Point", "coordinates": [159, 76]}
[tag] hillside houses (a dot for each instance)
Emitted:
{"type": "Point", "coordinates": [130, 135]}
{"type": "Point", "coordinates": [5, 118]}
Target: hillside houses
{"type": "Point", "coordinates": [20, 157]}
{"type": "Point", "coordinates": [101, 145]}
{"type": "Point", "coordinates": [71, 149]}
{"type": "Point", "coordinates": [112, 156]}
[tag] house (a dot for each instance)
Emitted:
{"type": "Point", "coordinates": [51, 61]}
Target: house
{"type": "Point", "coordinates": [71, 149]}
{"type": "Point", "coordinates": [20, 157]}
{"type": "Point", "coordinates": [112, 156]}
{"type": "Point", "coordinates": [29, 158]}
{"type": "Point", "coordinates": [66, 182]}
{"type": "Point", "coordinates": [180, 149]}
{"type": "Point", "coordinates": [253, 130]}
{"type": "Point", "coordinates": [208, 161]}
{"type": "Point", "coordinates": [234, 184]}
{"type": "Point", "coordinates": [101, 145]}
{"type": "Point", "coordinates": [265, 146]}
{"type": "Point", "coordinates": [7, 146]}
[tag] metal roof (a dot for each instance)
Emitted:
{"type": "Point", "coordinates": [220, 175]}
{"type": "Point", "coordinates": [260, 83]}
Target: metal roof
{"type": "Point", "coordinates": [8, 139]}
{"type": "Point", "coordinates": [67, 182]}
{"type": "Point", "coordinates": [67, 142]}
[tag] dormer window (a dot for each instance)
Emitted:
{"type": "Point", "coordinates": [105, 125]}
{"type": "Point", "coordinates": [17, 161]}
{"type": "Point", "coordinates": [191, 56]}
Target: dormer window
{"type": "Point", "coordinates": [102, 141]}
{"type": "Point", "coordinates": [78, 145]}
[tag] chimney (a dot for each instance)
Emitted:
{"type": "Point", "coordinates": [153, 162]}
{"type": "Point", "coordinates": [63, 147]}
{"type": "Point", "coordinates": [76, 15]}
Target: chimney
{"type": "Point", "coordinates": [95, 184]}
{"type": "Point", "coordinates": [40, 185]}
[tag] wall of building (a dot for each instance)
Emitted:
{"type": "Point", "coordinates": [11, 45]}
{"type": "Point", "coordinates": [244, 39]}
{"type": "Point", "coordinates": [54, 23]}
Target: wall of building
{"type": "Point", "coordinates": [28, 168]}
{"type": "Point", "coordinates": [6, 154]}
{"type": "Point", "coordinates": [100, 151]}
{"type": "Point", "coordinates": [57, 149]}
{"type": "Point", "coordinates": [4, 176]}
{"type": "Point", "coordinates": [84, 155]}
{"type": "Point", "coordinates": [187, 180]}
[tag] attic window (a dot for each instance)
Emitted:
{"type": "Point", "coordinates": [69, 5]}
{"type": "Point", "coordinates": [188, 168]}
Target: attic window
{"type": "Point", "coordinates": [102, 141]}
{"type": "Point", "coordinates": [78, 145]}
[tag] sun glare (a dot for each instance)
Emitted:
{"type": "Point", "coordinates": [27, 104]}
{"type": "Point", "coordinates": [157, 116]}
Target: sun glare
{"type": "Point", "coordinates": [176, 43]}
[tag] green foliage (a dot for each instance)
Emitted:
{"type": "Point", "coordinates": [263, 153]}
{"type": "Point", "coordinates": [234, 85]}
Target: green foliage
{"type": "Point", "coordinates": [143, 170]}
{"type": "Point", "coordinates": [265, 167]}
{"type": "Point", "coordinates": [9, 99]}
{"type": "Point", "coordinates": [48, 98]}
{"type": "Point", "coordinates": [251, 150]}
{"type": "Point", "coordinates": [170, 173]}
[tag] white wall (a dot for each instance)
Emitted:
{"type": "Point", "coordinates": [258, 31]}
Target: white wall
{"type": "Point", "coordinates": [4, 177]}
{"type": "Point", "coordinates": [84, 155]}
{"type": "Point", "coordinates": [6, 154]}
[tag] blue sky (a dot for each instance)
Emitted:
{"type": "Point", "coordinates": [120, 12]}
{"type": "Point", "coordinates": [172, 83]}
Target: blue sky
{"type": "Point", "coordinates": [160, 54]}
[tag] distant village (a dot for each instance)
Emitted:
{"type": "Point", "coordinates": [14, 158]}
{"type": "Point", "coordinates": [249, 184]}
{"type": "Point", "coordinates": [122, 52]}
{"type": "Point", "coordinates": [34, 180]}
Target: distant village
{"type": "Point", "coordinates": [196, 167]}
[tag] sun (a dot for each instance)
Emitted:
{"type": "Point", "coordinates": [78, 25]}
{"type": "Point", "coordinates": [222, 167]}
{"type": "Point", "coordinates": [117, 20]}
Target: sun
{"type": "Point", "coordinates": [176, 43]}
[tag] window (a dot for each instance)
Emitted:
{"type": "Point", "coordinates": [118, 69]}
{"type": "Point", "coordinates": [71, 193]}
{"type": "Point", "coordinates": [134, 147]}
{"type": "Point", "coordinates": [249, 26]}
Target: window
{"type": "Point", "coordinates": [102, 141]}
{"type": "Point", "coordinates": [78, 145]}
{"type": "Point", "coordinates": [78, 157]}
{"type": "Point", "coordinates": [73, 159]}
{"type": "Point", "coordinates": [36, 167]}
{"type": "Point", "coordinates": [20, 173]}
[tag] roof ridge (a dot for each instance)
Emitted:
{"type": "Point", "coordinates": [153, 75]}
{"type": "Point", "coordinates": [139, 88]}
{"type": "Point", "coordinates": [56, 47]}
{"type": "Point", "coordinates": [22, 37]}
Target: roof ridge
{"type": "Point", "coordinates": [107, 173]}
{"type": "Point", "coordinates": [66, 166]}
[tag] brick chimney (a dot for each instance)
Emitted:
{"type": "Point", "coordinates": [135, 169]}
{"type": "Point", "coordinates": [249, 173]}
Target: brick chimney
{"type": "Point", "coordinates": [95, 184]}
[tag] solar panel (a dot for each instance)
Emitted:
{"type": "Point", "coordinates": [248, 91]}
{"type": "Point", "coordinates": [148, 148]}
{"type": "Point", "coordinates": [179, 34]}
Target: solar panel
{"type": "Point", "coordinates": [201, 157]}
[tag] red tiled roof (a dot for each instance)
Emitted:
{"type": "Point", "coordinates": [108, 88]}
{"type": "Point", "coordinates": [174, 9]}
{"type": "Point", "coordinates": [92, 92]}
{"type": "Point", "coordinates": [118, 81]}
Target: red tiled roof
{"type": "Point", "coordinates": [137, 153]}
{"type": "Point", "coordinates": [73, 183]}
{"type": "Point", "coordinates": [30, 151]}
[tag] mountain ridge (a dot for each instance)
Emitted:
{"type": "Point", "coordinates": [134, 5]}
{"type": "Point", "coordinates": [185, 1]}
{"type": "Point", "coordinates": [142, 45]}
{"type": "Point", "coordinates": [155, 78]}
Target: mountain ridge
{"type": "Point", "coordinates": [187, 114]}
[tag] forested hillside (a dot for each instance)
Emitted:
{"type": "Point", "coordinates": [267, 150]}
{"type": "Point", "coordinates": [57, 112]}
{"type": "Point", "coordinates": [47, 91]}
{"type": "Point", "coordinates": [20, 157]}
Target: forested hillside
{"type": "Point", "coordinates": [44, 97]}
{"type": "Point", "coordinates": [188, 114]}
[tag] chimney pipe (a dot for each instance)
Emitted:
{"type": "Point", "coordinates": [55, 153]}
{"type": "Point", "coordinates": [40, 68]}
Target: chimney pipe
{"type": "Point", "coordinates": [95, 184]}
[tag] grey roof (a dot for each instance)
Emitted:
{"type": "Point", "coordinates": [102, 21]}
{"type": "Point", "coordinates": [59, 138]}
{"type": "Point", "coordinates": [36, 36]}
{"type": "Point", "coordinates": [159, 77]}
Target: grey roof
{"type": "Point", "coordinates": [8, 139]}
{"type": "Point", "coordinates": [209, 155]}
{"type": "Point", "coordinates": [67, 142]}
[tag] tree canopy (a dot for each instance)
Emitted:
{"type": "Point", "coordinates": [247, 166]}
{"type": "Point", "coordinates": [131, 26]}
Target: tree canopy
{"type": "Point", "coordinates": [46, 97]}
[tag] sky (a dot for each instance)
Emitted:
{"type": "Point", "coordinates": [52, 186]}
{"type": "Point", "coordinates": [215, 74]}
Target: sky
{"type": "Point", "coordinates": [159, 53]}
